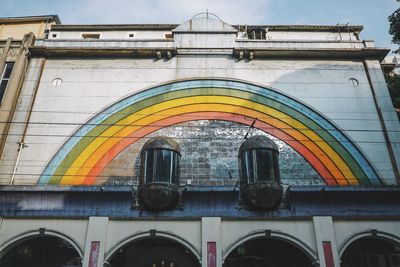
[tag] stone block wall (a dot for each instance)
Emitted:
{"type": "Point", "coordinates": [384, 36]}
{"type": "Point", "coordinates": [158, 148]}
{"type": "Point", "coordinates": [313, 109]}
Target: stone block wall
{"type": "Point", "coordinates": [209, 156]}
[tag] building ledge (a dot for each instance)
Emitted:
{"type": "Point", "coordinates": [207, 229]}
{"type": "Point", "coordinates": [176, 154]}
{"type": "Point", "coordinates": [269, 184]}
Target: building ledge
{"type": "Point", "coordinates": [146, 52]}
{"type": "Point", "coordinates": [325, 53]}
{"type": "Point", "coordinates": [117, 202]}
{"type": "Point", "coordinates": [29, 19]}
{"type": "Point", "coordinates": [355, 188]}
{"type": "Point", "coordinates": [196, 188]}
{"type": "Point", "coordinates": [239, 52]}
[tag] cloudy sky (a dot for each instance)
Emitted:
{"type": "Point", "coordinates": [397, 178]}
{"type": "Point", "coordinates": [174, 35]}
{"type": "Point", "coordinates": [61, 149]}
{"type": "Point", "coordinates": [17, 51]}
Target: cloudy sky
{"type": "Point", "coordinates": [370, 13]}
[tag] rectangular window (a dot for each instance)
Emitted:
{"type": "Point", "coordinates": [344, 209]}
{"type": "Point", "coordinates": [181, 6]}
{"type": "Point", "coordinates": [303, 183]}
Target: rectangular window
{"type": "Point", "coordinates": [164, 160]}
{"type": "Point", "coordinates": [148, 166]}
{"type": "Point", "coordinates": [5, 78]}
{"type": "Point", "coordinates": [91, 35]}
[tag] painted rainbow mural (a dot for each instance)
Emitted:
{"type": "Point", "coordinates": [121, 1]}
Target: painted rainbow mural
{"type": "Point", "coordinates": [334, 156]}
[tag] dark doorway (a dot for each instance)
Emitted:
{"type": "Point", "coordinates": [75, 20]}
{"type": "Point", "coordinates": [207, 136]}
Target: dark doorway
{"type": "Point", "coordinates": [42, 251]}
{"type": "Point", "coordinates": [267, 252]}
{"type": "Point", "coordinates": [371, 252]}
{"type": "Point", "coordinates": [154, 252]}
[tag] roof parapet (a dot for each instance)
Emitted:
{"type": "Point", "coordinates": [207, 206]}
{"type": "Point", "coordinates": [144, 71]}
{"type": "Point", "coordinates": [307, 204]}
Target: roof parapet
{"type": "Point", "coordinates": [170, 27]}
{"type": "Point", "coordinates": [25, 19]}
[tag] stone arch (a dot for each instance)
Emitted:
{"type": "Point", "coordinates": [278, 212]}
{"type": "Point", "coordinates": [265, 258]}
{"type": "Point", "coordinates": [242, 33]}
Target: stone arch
{"type": "Point", "coordinates": [153, 234]}
{"type": "Point", "coordinates": [272, 234]}
{"type": "Point", "coordinates": [14, 241]}
{"type": "Point", "coordinates": [372, 233]}
{"type": "Point", "coordinates": [33, 247]}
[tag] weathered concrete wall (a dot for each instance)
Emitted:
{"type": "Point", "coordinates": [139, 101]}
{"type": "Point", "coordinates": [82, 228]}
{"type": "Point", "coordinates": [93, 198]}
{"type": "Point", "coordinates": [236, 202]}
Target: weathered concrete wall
{"type": "Point", "coordinates": [90, 85]}
{"type": "Point", "coordinates": [18, 30]}
{"type": "Point", "coordinates": [108, 35]}
{"type": "Point", "coordinates": [301, 35]}
{"type": "Point", "coordinates": [228, 234]}
{"type": "Point", "coordinates": [311, 216]}
{"type": "Point", "coordinates": [20, 115]}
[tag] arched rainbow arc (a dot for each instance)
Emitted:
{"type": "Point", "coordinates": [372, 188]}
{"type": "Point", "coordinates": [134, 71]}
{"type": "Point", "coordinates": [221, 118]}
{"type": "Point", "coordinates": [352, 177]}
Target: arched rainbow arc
{"type": "Point", "coordinates": [82, 158]}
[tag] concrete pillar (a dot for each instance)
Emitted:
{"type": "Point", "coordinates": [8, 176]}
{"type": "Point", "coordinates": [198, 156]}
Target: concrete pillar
{"type": "Point", "coordinates": [41, 30]}
{"type": "Point", "coordinates": [96, 237]}
{"type": "Point", "coordinates": [326, 241]}
{"type": "Point", "coordinates": [14, 86]}
{"type": "Point", "coordinates": [388, 117]}
{"type": "Point", "coordinates": [210, 236]}
{"type": "Point", "coordinates": [9, 147]}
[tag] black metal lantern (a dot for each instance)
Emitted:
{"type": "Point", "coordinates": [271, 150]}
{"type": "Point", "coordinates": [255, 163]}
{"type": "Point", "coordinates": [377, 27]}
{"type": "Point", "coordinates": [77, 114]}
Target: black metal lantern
{"type": "Point", "coordinates": [159, 179]}
{"type": "Point", "coordinates": [260, 183]}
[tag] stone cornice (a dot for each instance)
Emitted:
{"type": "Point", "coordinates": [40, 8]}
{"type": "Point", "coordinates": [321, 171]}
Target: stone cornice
{"type": "Point", "coordinates": [30, 19]}
{"type": "Point", "coordinates": [249, 53]}
{"type": "Point", "coordinates": [301, 202]}
{"type": "Point", "coordinates": [328, 53]}
{"type": "Point", "coordinates": [40, 51]}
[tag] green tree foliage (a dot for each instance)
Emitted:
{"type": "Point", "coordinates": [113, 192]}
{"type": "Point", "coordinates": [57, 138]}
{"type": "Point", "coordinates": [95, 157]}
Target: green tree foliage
{"type": "Point", "coordinates": [394, 29]}
{"type": "Point", "coordinates": [393, 81]}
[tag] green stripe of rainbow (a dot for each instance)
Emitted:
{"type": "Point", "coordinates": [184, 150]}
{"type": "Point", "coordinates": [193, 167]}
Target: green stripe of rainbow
{"type": "Point", "coordinates": [82, 158]}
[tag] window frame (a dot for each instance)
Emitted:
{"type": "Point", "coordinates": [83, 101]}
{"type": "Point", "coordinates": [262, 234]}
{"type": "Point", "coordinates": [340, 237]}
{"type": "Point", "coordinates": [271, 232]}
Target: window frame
{"type": "Point", "coordinates": [153, 169]}
{"type": "Point", "coordinates": [5, 79]}
{"type": "Point", "coordinates": [250, 164]}
{"type": "Point", "coordinates": [89, 36]}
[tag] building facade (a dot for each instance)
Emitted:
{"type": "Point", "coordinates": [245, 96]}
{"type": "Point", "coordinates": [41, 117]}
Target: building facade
{"type": "Point", "coordinates": [16, 35]}
{"type": "Point", "coordinates": [202, 144]}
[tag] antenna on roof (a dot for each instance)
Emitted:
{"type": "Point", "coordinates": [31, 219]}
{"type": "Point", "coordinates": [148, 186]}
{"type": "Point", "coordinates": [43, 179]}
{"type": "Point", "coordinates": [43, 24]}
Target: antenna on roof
{"type": "Point", "coordinates": [207, 12]}
{"type": "Point", "coordinates": [338, 25]}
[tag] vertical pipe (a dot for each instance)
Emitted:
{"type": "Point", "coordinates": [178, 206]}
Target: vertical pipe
{"type": "Point", "coordinates": [21, 146]}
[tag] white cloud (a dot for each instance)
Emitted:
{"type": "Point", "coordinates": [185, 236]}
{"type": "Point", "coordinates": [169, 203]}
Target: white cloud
{"type": "Point", "coordinates": [168, 11]}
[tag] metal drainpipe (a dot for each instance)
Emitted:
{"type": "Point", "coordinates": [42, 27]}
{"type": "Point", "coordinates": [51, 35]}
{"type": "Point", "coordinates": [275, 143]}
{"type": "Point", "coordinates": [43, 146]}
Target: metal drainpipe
{"type": "Point", "coordinates": [22, 141]}
{"type": "Point", "coordinates": [383, 125]}
{"type": "Point", "coordinates": [21, 146]}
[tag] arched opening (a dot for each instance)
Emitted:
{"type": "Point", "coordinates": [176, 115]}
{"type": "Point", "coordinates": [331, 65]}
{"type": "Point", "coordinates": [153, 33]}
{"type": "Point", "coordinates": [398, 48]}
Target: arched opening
{"type": "Point", "coordinates": [267, 252]}
{"type": "Point", "coordinates": [371, 252]}
{"type": "Point", "coordinates": [160, 161]}
{"type": "Point", "coordinates": [153, 252]}
{"type": "Point", "coordinates": [41, 251]}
